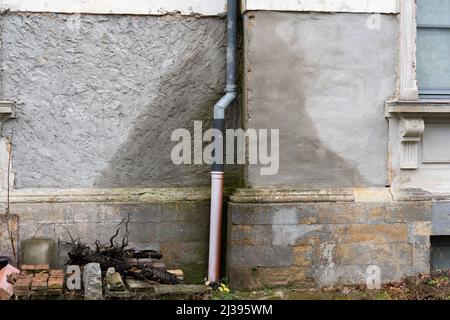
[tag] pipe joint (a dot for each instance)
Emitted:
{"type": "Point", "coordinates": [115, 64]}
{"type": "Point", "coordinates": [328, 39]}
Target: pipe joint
{"type": "Point", "coordinates": [231, 88]}
{"type": "Point", "coordinates": [223, 104]}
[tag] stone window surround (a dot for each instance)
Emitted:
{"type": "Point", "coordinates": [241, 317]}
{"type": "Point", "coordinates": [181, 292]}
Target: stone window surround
{"type": "Point", "coordinates": [407, 114]}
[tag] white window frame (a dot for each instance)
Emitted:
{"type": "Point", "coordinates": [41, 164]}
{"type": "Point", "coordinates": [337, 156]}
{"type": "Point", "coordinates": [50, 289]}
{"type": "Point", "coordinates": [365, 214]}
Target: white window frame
{"type": "Point", "coordinates": [408, 36]}
{"type": "Point", "coordinates": [409, 90]}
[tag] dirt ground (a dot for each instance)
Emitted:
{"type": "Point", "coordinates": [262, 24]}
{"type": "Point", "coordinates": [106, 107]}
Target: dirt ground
{"type": "Point", "coordinates": [436, 287]}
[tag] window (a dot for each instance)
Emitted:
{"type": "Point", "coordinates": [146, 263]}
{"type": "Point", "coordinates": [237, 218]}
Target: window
{"type": "Point", "coordinates": [433, 48]}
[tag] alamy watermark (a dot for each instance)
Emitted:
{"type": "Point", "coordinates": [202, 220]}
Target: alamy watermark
{"type": "Point", "coordinates": [249, 146]}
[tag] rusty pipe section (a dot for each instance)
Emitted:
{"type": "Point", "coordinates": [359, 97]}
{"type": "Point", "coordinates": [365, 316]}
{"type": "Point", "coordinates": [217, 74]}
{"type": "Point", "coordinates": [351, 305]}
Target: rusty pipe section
{"type": "Point", "coordinates": [217, 174]}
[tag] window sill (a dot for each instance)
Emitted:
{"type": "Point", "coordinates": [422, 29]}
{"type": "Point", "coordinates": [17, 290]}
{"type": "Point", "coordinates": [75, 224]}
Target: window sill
{"type": "Point", "coordinates": [6, 110]}
{"type": "Point", "coordinates": [428, 107]}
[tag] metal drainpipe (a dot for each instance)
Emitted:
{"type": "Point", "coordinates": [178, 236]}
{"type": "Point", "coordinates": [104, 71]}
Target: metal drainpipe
{"type": "Point", "coordinates": [217, 173]}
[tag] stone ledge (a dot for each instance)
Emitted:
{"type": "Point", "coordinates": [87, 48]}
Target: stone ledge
{"type": "Point", "coordinates": [419, 195]}
{"type": "Point", "coordinates": [6, 110]}
{"type": "Point", "coordinates": [288, 196]}
{"type": "Point", "coordinates": [122, 195]}
{"type": "Point", "coordinates": [418, 107]}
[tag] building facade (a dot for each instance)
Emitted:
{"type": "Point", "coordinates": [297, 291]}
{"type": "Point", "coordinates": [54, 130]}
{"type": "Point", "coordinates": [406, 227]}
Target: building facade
{"type": "Point", "coordinates": [93, 90]}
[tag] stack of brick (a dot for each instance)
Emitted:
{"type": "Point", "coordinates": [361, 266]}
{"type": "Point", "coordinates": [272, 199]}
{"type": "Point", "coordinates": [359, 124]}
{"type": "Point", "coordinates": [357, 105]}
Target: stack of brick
{"type": "Point", "coordinates": [39, 286]}
{"type": "Point", "coordinates": [55, 285]}
{"type": "Point", "coordinates": [38, 282]}
{"type": "Point", "coordinates": [8, 275]}
{"type": "Point", "coordinates": [22, 287]}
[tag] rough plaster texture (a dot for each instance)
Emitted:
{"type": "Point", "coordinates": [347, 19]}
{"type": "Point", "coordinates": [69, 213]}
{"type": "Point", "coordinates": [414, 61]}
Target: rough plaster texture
{"type": "Point", "coordinates": [322, 79]}
{"type": "Point", "coordinates": [99, 96]}
{"type": "Point", "coordinates": [179, 229]}
{"type": "Point", "coordinates": [322, 244]}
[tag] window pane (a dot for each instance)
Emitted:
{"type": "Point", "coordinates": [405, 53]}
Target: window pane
{"type": "Point", "coordinates": [433, 58]}
{"type": "Point", "coordinates": [433, 12]}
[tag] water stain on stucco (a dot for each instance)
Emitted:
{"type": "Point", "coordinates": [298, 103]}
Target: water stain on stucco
{"type": "Point", "coordinates": [281, 77]}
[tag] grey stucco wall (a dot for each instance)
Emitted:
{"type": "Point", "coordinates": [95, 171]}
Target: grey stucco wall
{"type": "Point", "coordinates": [322, 79]}
{"type": "Point", "coordinates": [96, 105]}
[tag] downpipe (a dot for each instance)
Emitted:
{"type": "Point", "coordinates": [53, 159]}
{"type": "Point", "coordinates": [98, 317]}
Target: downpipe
{"type": "Point", "coordinates": [217, 172]}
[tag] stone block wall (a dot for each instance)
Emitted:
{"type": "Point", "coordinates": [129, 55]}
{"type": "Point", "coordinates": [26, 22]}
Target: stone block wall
{"type": "Point", "coordinates": [179, 229]}
{"type": "Point", "coordinates": [327, 243]}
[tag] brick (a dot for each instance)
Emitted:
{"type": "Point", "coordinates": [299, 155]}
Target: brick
{"type": "Point", "coordinates": [24, 275]}
{"type": "Point", "coordinates": [6, 273]}
{"type": "Point", "coordinates": [30, 268]}
{"type": "Point", "coordinates": [22, 284]}
{"type": "Point", "coordinates": [39, 285]}
{"type": "Point", "coordinates": [41, 277]}
{"type": "Point", "coordinates": [57, 272]}
{"type": "Point", "coordinates": [5, 295]}
{"type": "Point", "coordinates": [56, 282]}
{"type": "Point", "coordinates": [42, 267]}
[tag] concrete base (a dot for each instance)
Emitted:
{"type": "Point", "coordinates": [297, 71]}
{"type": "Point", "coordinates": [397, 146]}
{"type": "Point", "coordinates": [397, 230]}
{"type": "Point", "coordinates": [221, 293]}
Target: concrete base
{"type": "Point", "coordinates": [315, 243]}
{"type": "Point", "coordinates": [178, 228]}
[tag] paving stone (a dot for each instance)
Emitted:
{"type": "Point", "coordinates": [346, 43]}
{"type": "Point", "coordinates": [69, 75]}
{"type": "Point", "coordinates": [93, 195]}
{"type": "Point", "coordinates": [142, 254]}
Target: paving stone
{"type": "Point", "coordinates": [92, 279]}
{"type": "Point", "coordinates": [180, 290]}
{"type": "Point", "coordinates": [114, 282]}
{"type": "Point", "coordinates": [140, 286]}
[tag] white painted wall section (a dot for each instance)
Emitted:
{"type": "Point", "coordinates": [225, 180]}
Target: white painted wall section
{"type": "Point", "coordinates": [357, 6]}
{"type": "Point", "coordinates": [138, 7]}
{"type": "Point", "coordinates": [193, 7]}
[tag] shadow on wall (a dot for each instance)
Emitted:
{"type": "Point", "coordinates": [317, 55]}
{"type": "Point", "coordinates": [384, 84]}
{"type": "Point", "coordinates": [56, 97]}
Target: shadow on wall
{"type": "Point", "coordinates": [187, 93]}
{"type": "Point", "coordinates": [328, 98]}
